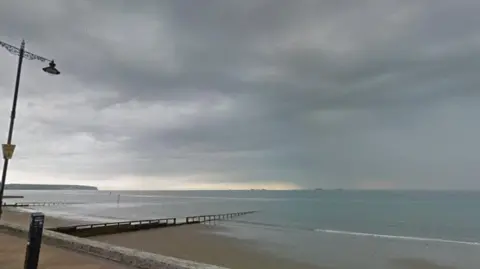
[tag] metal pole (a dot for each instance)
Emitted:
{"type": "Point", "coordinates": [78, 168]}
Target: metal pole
{"type": "Point", "coordinates": [12, 122]}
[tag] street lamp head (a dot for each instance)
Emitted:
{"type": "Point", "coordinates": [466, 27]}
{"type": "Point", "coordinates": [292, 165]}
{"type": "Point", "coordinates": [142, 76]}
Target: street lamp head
{"type": "Point", "coordinates": [51, 69]}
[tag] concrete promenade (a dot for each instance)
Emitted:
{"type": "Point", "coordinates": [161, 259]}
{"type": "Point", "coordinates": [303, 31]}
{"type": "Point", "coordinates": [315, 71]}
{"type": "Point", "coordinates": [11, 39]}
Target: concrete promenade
{"type": "Point", "coordinates": [12, 250]}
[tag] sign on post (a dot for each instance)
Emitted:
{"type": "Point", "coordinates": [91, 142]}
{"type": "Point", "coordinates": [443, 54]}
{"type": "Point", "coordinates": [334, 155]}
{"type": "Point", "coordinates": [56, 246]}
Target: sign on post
{"type": "Point", "coordinates": [34, 240]}
{"type": "Point", "coordinates": [8, 150]}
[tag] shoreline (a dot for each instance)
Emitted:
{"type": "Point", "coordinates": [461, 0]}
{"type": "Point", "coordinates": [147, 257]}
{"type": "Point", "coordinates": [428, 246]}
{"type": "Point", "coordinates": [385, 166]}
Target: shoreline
{"type": "Point", "coordinates": [200, 243]}
{"type": "Point", "coordinates": [212, 244]}
{"type": "Point", "coordinates": [196, 242]}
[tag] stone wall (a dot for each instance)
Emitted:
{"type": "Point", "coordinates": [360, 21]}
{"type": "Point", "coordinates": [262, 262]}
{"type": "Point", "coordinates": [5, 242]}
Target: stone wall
{"type": "Point", "coordinates": [127, 256]}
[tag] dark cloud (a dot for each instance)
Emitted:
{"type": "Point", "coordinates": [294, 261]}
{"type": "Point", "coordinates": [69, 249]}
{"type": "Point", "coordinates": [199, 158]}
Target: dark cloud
{"type": "Point", "coordinates": [352, 94]}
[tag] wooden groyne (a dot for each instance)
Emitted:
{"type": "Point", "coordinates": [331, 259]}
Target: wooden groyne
{"type": "Point", "coordinates": [13, 197]}
{"type": "Point", "coordinates": [205, 218]}
{"type": "Point", "coordinates": [87, 230]}
{"type": "Point", "coordinates": [35, 204]}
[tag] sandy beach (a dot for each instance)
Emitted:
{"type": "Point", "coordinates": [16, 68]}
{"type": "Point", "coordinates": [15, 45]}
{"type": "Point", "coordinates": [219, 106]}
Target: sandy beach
{"type": "Point", "coordinates": [198, 243]}
{"type": "Point", "coordinates": [191, 242]}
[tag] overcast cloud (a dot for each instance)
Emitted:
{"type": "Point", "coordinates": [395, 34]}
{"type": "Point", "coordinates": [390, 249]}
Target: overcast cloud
{"type": "Point", "coordinates": [245, 93]}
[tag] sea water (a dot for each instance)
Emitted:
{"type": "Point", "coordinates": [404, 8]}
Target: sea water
{"type": "Point", "coordinates": [336, 228]}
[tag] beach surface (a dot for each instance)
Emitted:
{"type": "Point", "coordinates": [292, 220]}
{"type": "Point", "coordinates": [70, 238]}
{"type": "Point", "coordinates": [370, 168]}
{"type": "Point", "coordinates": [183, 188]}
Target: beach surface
{"type": "Point", "coordinates": [207, 243]}
{"type": "Point", "coordinates": [199, 243]}
{"type": "Point", "coordinates": [191, 242]}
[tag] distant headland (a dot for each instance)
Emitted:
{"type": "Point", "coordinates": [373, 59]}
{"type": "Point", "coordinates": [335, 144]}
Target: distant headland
{"type": "Point", "coordinates": [48, 187]}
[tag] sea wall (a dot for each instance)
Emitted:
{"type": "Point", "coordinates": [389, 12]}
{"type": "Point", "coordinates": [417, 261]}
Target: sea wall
{"type": "Point", "coordinates": [127, 256]}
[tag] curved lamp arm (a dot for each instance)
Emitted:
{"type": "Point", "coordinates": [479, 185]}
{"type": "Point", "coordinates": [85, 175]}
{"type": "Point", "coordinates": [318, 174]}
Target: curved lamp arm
{"type": "Point", "coordinates": [26, 55]}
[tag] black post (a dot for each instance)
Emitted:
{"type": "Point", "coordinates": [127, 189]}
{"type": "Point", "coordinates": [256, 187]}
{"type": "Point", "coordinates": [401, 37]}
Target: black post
{"type": "Point", "coordinates": [34, 240]}
{"type": "Point", "coordinates": [12, 122]}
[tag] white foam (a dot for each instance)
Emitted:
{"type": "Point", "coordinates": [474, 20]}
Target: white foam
{"type": "Point", "coordinates": [411, 238]}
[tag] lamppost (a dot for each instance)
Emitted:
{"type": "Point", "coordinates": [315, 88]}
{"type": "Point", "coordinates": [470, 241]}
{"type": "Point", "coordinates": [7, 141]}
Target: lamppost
{"type": "Point", "coordinates": [9, 147]}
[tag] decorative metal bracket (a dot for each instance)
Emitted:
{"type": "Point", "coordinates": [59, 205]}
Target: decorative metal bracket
{"type": "Point", "coordinates": [26, 55]}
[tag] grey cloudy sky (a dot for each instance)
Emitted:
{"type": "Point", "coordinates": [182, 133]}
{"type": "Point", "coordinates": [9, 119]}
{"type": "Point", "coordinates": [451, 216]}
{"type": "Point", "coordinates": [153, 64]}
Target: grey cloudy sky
{"type": "Point", "coordinates": [251, 93]}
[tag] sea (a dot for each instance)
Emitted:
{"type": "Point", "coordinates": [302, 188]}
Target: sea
{"type": "Point", "coordinates": [328, 228]}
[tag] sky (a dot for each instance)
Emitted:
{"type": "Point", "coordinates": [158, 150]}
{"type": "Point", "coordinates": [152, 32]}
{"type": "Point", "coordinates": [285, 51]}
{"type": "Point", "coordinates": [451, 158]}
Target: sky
{"type": "Point", "coordinates": [230, 94]}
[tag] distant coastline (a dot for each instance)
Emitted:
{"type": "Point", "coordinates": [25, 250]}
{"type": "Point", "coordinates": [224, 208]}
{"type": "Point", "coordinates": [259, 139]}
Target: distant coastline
{"type": "Point", "coordinates": [48, 187]}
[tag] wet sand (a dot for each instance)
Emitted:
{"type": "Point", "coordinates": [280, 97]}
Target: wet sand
{"type": "Point", "coordinates": [197, 243]}
{"type": "Point", "coordinates": [190, 242]}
